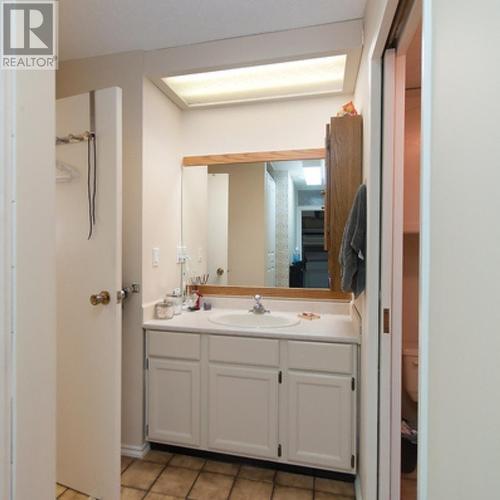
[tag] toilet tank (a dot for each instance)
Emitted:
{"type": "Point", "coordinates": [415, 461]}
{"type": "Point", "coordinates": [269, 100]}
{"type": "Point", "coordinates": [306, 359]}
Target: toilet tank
{"type": "Point", "coordinates": [410, 372]}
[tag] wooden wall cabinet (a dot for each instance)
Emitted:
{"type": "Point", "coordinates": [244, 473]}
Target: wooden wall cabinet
{"type": "Point", "coordinates": [344, 174]}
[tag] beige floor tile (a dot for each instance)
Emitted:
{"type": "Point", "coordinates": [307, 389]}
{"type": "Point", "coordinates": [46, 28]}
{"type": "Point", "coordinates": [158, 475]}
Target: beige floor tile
{"type": "Point", "coordinates": [126, 461]}
{"type": "Point", "coordinates": [141, 475]}
{"type": "Point", "coordinates": [158, 457]}
{"type": "Point", "coordinates": [195, 463]}
{"type": "Point", "coordinates": [246, 489]}
{"type": "Point", "coordinates": [335, 487]}
{"type": "Point", "coordinates": [321, 495]}
{"type": "Point", "coordinates": [286, 493]}
{"type": "Point", "coordinates": [73, 495]}
{"type": "Point", "coordinates": [159, 496]}
{"type": "Point", "coordinates": [256, 473]}
{"type": "Point", "coordinates": [294, 480]}
{"type": "Point", "coordinates": [131, 494]}
{"type": "Point", "coordinates": [60, 489]}
{"type": "Point", "coordinates": [210, 486]}
{"type": "Point", "coordinates": [175, 481]}
{"type": "Point", "coordinates": [222, 467]}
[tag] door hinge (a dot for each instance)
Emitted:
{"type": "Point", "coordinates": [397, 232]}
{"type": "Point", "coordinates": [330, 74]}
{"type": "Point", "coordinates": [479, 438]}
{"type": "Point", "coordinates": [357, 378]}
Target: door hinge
{"type": "Point", "coordinates": [353, 461]}
{"type": "Point", "coordinates": [280, 377]}
{"type": "Point", "coordinates": [147, 364]}
{"type": "Point", "coordinates": [387, 320]}
{"type": "Point", "coordinates": [147, 430]}
{"type": "Point", "coordinates": [279, 450]}
{"type": "Point", "coordinates": [353, 383]}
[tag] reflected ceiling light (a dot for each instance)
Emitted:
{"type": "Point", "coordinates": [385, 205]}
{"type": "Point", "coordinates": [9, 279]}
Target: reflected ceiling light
{"type": "Point", "coordinates": [313, 176]}
{"type": "Point", "coordinates": [321, 75]}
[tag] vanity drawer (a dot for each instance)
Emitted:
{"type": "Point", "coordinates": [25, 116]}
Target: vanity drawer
{"type": "Point", "coordinates": [321, 357]}
{"type": "Point", "coordinates": [243, 350]}
{"type": "Point", "coordinates": [174, 345]}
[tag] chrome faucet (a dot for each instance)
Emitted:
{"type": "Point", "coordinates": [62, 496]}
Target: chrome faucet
{"type": "Point", "coordinates": [258, 307]}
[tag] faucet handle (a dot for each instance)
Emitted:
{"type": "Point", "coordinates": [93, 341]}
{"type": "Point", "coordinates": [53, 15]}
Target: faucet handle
{"type": "Point", "coordinates": [258, 298]}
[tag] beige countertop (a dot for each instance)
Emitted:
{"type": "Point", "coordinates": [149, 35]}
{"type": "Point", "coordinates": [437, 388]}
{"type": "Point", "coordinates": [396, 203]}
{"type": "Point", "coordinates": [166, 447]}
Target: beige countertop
{"type": "Point", "coordinates": [330, 327]}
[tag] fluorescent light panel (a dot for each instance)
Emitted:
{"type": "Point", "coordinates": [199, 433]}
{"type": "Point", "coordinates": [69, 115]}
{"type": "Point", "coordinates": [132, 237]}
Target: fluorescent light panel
{"type": "Point", "coordinates": [322, 75]}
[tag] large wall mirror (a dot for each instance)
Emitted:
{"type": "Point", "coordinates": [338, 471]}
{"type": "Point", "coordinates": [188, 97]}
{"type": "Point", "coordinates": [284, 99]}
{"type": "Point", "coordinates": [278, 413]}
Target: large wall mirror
{"type": "Point", "coordinates": [271, 220]}
{"type": "Point", "coordinates": [256, 224]}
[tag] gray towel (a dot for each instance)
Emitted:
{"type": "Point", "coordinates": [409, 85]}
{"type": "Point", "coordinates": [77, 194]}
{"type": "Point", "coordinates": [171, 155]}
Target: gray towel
{"type": "Point", "coordinates": [353, 247]}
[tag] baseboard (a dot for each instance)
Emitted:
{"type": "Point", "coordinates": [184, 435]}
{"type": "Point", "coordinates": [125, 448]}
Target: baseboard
{"type": "Point", "coordinates": [135, 451]}
{"type": "Point", "coordinates": [357, 488]}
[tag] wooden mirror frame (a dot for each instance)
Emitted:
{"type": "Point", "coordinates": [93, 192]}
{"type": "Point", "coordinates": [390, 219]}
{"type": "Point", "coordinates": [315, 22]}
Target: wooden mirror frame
{"type": "Point", "coordinates": [261, 157]}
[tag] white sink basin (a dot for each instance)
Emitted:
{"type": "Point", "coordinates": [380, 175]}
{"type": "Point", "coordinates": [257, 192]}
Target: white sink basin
{"type": "Point", "coordinates": [251, 320]}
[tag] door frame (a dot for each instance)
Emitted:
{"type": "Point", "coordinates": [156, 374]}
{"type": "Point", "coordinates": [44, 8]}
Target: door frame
{"type": "Point", "coordinates": [391, 264]}
{"type": "Point", "coordinates": [7, 248]}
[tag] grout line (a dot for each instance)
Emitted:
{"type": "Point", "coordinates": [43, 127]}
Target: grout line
{"type": "Point", "coordinates": [234, 482]}
{"type": "Point", "coordinates": [159, 475]}
{"type": "Point", "coordinates": [194, 482]}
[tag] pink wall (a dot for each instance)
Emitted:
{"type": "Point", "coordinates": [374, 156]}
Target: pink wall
{"type": "Point", "coordinates": [411, 218]}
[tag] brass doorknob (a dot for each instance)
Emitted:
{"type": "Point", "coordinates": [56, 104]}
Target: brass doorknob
{"type": "Point", "coordinates": [101, 298]}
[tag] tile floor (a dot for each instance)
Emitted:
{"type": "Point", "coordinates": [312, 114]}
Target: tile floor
{"type": "Point", "coordinates": [165, 476]}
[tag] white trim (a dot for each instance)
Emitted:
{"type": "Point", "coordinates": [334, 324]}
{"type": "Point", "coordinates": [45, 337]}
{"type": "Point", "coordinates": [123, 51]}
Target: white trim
{"type": "Point", "coordinates": [133, 451]}
{"type": "Point", "coordinates": [357, 488]}
{"type": "Point", "coordinates": [372, 131]}
{"type": "Point", "coordinates": [425, 241]}
{"type": "Point", "coordinates": [386, 202]}
{"type": "Point", "coordinates": [7, 278]}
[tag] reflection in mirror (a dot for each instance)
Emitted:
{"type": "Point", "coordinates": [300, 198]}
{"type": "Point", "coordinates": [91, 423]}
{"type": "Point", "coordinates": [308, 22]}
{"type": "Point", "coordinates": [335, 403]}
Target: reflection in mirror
{"type": "Point", "coordinates": [255, 224]}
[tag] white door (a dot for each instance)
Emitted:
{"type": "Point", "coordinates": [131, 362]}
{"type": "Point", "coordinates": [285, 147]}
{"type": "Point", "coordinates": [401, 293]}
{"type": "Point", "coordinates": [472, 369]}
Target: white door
{"type": "Point", "coordinates": [320, 420]}
{"type": "Point", "coordinates": [88, 336]}
{"type": "Point", "coordinates": [218, 227]}
{"type": "Point", "coordinates": [391, 270]}
{"type": "Point", "coordinates": [174, 401]}
{"type": "Point", "coordinates": [243, 410]}
{"type": "Point", "coordinates": [270, 231]}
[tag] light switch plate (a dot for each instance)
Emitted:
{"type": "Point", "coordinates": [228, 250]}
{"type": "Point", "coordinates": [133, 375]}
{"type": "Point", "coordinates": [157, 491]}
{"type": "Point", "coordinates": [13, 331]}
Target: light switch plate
{"type": "Point", "coordinates": [155, 257]}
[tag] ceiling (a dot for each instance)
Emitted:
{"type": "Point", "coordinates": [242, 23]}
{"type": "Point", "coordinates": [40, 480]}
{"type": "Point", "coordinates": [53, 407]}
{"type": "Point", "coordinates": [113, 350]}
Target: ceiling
{"type": "Point", "coordinates": [296, 170]}
{"type": "Point", "coordinates": [96, 27]}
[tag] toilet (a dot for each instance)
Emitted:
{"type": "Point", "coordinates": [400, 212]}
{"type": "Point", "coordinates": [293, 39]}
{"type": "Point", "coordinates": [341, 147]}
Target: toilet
{"type": "Point", "coordinates": [410, 372]}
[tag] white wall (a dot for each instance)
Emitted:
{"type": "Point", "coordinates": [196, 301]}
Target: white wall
{"type": "Point", "coordinates": [460, 343]}
{"type": "Point", "coordinates": [162, 192]}
{"type": "Point", "coordinates": [124, 71]}
{"type": "Point", "coordinates": [298, 124]}
{"type": "Point", "coordinates": [35, 275]}
{"type": "Point", "coordinates": [195, 219]}
{"type": "Point", "coordinates": [378, 17]}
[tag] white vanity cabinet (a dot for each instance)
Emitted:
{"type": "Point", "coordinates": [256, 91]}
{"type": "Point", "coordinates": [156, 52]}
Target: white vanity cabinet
{"type": "Point", "coordinates": [243, 378]}
{"type": "Point", "coordinates": [321, 404]}
{"type": "Point", "coordinates": [270, 398]}
{"type": "Point", "coordinates": [173, 396]}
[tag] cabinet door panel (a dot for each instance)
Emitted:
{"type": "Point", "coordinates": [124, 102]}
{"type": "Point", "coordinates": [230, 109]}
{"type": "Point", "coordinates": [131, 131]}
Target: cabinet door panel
{"type": "Point", "coordinates": [320, 426]}
{"type": "Point", "coordinates": [243, 410]}
{"type": "Point", "coordinates": [174, 401]}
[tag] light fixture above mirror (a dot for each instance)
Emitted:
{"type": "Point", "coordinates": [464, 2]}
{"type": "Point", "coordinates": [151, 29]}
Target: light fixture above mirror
{"type": "Point", "coordinates": [300, 78]}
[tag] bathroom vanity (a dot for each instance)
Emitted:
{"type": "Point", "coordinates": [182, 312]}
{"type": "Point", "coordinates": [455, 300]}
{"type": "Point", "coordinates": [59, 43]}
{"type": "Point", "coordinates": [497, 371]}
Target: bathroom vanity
{"type": "Point", "coordinates": [286, 394]}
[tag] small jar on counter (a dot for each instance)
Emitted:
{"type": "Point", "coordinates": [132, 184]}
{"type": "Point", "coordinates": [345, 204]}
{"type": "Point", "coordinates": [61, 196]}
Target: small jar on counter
{"type": "Point", "coordinates": [176, 299]}
{"type": "Point", "coordinates": [164, 310]}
